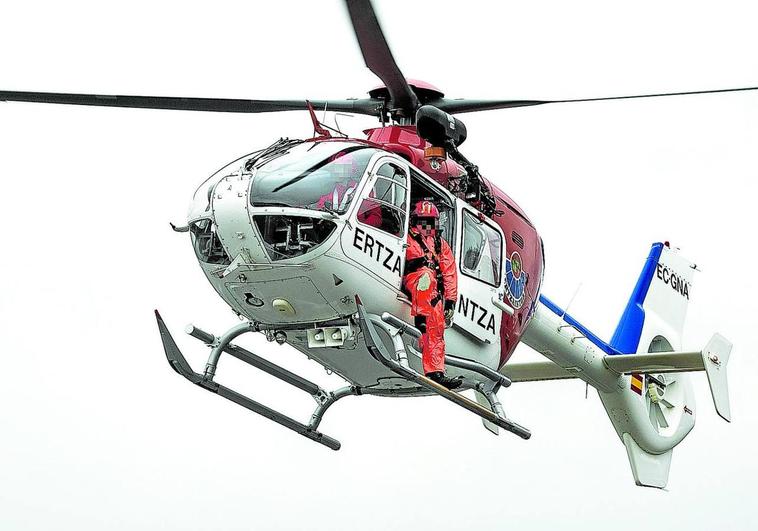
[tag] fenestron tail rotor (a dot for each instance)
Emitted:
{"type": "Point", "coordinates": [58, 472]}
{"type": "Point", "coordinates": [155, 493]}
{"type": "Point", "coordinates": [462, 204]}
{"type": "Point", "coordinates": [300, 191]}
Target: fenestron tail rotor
{"type": "Point", "coordinates": [663, 400]}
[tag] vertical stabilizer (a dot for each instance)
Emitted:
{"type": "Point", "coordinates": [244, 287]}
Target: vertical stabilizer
{"type": "Point", "coordinates": [715, 357]}
{"type": "Point", "coordinates": [650, 470]}
{"type": "Point", "coordinates": [655, 411]}
{"type": "Point", "coordinates": [658, 305]}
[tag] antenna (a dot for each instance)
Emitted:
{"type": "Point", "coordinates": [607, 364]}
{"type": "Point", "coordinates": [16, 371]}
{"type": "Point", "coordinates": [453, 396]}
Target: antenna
{"type": "Point", "coordinates": [565, 311]}
{"type": "Point", "coordinates": [571, 300]}
{"type": "Point", "coordinates": [336, 123]}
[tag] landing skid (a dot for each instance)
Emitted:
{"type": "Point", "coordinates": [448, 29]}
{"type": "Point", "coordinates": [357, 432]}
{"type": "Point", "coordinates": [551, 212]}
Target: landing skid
{"type": "Point", "coordinates": [486, 390]}
{"type": "Point", "coordinates": [323, 398]}
{"type": "Point", "coordinates": [395, 328]}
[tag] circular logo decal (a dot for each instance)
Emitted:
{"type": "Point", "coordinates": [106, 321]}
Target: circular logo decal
{"type": "Point", "coordinates": [515, 280]}
{"type": "Point", "coordinates": [516, 265]}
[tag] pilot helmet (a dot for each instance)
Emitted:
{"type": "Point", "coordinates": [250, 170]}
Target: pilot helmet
{"type": "Point", "coordinates": [425, 217]}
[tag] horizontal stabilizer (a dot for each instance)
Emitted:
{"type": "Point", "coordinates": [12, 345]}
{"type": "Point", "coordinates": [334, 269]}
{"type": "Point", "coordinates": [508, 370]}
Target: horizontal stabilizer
{"type": "Point", "coordinates": [712, 359]}
{"type": "Point", "coordinates": [650, 470]}
{"type": "Point", "coordinates": [536, 372]}
{"type": "Point", "coordinates": [657, 362]}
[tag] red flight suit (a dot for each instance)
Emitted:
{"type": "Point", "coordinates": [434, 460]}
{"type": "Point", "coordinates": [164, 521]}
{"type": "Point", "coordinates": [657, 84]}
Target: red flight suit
{"type": "Point", "coordinates": [420, 258]}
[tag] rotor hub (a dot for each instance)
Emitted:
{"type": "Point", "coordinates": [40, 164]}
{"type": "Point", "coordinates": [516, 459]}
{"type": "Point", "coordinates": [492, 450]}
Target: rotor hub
{"type": "Point", "coordinates": [424, 91]}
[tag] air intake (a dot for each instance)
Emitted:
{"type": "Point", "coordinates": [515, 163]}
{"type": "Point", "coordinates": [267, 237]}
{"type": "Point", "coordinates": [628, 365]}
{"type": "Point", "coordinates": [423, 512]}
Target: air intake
{"type": "Point", "coordinates": [517, 239]}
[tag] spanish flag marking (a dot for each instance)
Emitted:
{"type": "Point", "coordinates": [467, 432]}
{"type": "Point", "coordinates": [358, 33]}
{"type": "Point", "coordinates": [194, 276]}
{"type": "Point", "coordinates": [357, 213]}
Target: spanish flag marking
{"type": "Point", "coordinates": [637, 383]}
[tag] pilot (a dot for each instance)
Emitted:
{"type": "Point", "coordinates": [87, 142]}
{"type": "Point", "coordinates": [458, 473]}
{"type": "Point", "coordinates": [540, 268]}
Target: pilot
{"type": "Point", "coordinates": [431, 280]}
{"type": "Point", "coordinates": [338, 198]}
{"type": "Point", "coordinates": [345, 172]}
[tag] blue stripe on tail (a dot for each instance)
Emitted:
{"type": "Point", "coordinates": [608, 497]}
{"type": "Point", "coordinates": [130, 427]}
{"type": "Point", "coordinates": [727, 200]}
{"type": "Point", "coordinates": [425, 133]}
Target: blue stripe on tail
{"type": "Point", "coordinates": [592, 338]}
{"type": "Point", "coordinates": [626, 338]}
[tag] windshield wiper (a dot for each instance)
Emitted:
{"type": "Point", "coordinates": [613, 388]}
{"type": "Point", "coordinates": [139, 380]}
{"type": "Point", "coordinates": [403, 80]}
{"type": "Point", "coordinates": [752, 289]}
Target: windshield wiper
{"type": "Point", "coordinates": [317, 166]}
{"type": "Point", "coordinates": [275, 150]}
{"type": "Point", "coordinates": [300, 177]}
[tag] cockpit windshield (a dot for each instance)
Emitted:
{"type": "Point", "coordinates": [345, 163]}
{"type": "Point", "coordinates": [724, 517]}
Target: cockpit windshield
{"type": "Point", "coordinates": [313, 175]}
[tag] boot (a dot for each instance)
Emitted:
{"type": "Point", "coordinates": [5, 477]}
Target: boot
{"type": "Point", "coordinates": [440, 378]}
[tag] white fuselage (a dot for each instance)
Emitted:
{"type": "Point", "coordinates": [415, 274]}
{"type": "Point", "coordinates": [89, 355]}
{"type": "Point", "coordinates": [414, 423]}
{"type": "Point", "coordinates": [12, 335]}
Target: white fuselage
{"type": "Point", "coordinates": [299, 292]}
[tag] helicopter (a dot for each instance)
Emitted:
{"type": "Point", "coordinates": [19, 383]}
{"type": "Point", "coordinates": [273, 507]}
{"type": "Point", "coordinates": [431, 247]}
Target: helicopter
{"type": "Point", "coordinates": [283, 286]}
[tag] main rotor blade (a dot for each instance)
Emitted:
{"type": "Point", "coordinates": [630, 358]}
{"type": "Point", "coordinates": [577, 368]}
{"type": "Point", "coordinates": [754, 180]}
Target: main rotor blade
{"type": "Point", "coordinates": [376, 52]}
{"type": "Point", "coordinates": [363, 106]}
{"type": "Point", "coordinates": [462, 105]}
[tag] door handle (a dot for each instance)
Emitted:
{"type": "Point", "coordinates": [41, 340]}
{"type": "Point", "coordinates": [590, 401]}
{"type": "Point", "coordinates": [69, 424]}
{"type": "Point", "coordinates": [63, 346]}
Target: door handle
{"type": "Point", "coordinates": [502, 306]}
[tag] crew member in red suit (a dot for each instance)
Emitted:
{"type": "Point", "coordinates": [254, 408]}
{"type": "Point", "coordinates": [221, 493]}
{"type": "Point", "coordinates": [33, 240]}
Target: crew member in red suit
{"type": "Point", "coordinates": [345, 172]}
{"type": "Point", "coordinates": [431, 280]}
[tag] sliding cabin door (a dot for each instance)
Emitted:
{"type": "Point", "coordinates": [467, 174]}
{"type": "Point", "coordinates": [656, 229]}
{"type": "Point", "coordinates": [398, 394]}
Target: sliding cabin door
{"type": "Point", "coordinates": [480, 269]}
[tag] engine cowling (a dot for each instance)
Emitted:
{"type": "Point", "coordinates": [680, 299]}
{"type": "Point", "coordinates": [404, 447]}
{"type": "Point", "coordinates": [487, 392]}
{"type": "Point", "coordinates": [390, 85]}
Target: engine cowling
{"type": "Point", "coordinates": [438, 127]}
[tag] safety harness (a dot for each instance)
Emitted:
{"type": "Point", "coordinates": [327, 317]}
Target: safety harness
{"type": "Point", "coordinates": [417, 263]}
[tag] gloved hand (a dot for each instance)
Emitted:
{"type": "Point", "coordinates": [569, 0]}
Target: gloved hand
{"type": "Point", "coordinates": [449, 312]}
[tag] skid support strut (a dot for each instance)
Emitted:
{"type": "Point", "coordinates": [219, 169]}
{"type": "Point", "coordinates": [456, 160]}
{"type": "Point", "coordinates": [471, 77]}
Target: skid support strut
{"type": "Point", "coordinates": [394, 328]}
{"type": "Point", "coordinates": [324, 399]}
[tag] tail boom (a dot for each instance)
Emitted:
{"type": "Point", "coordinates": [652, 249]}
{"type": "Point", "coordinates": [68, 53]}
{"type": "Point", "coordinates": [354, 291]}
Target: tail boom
{"type": "Point", "coordinates": [642, 382]}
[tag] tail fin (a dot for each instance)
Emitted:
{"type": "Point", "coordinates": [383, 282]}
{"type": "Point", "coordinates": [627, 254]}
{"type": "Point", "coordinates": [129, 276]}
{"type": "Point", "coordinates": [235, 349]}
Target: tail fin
{"type": "Point", "coordinates": [649, 470]}
{"type": "Point", "coordinates": [653, 321]}
{"type": "Point", "coordinates": [643, 379]}
{"type": "Point", "coordinates": [658, 305]}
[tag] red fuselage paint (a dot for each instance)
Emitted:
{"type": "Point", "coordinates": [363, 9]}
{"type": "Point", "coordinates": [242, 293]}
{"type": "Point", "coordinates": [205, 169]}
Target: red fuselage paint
{"type": "Point", "coordinates": [520, 235]}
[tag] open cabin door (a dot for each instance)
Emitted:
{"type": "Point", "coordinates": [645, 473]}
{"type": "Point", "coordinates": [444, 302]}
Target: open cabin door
{"type": "Point", "coordinates": [479, 259]}
{"type": "Point", "coordinates": [376, 236]}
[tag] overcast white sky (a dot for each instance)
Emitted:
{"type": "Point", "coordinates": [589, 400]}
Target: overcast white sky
{"type": "Point", "coordinates": [97, 432]}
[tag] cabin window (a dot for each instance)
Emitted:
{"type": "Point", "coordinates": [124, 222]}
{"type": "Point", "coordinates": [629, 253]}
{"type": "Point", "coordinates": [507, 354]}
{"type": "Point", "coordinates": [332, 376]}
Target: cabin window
{"type": "Point", "coordinates": [386, 205]}
{"type": "Point", "coordinates": [482, 246]}
{"type": "Point", "coordinates": [421, 189]}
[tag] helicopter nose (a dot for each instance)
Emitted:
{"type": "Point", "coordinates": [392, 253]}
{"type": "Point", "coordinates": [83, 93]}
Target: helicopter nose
{"type": "Point", "coordinates": [268, 297]}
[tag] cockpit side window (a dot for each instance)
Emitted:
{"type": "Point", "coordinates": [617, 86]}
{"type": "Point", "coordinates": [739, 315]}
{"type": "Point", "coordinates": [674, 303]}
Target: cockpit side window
{"type": "Point", "coordinates": [386, 205]}
{"type": "Point", "coordinates": [481, 252]}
